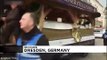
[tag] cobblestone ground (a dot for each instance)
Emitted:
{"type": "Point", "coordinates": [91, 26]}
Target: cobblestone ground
{"type": "Point", "coordinates": [99, 41]}
{"type": "Point", "coordinates": [94, 56]}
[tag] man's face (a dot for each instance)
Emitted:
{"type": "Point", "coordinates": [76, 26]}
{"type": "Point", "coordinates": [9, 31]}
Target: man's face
{"type": "Point", "coordinates": [13, 5]}
{"type": "Point", "coordinates": [26, 21]}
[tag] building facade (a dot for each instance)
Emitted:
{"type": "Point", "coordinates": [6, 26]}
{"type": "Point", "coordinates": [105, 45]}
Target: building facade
{"type": "Point", "coordinates": [100, 21]}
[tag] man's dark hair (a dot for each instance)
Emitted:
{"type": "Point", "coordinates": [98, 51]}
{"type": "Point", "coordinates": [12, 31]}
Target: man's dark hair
{"type": "Point", "coordinates": [35, 17]}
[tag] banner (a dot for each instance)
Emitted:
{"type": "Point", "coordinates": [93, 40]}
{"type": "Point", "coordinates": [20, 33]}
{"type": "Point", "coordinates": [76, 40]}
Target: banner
{"type": "Point", "coordinates": [64, 49]}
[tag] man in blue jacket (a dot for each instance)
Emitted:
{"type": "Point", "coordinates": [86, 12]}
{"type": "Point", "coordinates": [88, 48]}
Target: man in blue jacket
{"type": "Point", "coordinates": [105, 37]}
{"type": "Point", "coordinates": [31, 35]}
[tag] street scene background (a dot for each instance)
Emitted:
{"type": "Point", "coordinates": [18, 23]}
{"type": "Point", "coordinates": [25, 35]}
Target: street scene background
{"type": "Point", "coordinates": [94, 56]}
{"type": "Point", "coordinates": [83, 19]}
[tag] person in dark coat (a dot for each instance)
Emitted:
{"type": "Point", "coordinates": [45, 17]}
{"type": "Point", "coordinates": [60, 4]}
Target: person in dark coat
{"type": "Point", "coordinates": [11, 21]}
{"type": "Point", "coordinates": [105, 38]}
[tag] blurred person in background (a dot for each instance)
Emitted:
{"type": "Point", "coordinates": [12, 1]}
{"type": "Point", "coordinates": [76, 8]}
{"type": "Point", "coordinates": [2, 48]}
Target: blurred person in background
{"type": "Point", "coordinates": [105, 38]}
{"type": "Point", "coordinates": [11, 21]}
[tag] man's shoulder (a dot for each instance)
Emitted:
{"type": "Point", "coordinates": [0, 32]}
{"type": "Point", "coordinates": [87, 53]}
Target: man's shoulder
{"type": "Point", "coordinates": [105, 33]}
{"type": "Point", "coordinates": [43, 41]}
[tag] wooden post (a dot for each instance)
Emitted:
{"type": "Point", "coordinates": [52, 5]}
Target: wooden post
{"type": "Point", "coordinates": [75, 31]}
{"type": "Point", "coordinates": [43, 14]}
{"type": "Point", "coordinates": [73, 16]}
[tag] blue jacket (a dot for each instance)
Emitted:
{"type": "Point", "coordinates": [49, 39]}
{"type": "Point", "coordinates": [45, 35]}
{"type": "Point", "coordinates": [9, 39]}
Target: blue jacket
{"type": "Point", "coordinates": [105, 35]}
{"type": "Point", "coordinates": [34, 37]}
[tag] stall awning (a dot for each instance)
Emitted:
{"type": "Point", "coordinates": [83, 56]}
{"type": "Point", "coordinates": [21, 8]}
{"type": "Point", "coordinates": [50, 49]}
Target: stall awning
{"type": "Point", "coordinates": [96, 14]}
{"type": "Point", "coordinates": [77, 4]}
